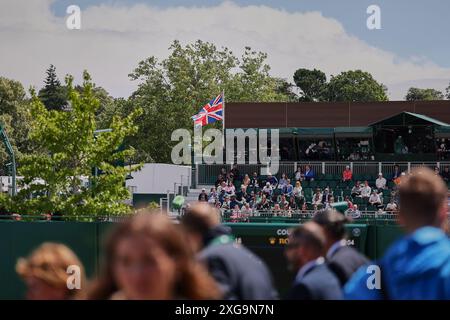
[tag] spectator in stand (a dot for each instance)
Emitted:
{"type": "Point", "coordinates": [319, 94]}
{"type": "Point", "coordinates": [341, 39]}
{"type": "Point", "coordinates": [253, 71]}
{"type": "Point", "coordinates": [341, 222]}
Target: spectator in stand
{"type": "Point", "coordinates": [283, 181]}
{"type": "Point", "coordinates": [436, 171]}
{"type": "Point", "coordinates": [298, 191]}
{"type": "Point", "coordinates": [398, 180]}
{"type": "Point", "coordinates": [222, 187]}
{"type": "Point", "coordinates": [230, 188]}
{"type": "Point", "coordinates": [304, 207]}
{"type": "Point", "coordinates": [380, 182]}
{"type": "Point", "coordinates": [233, 201]}
{"type": "Point", "coordinates": [276, 208]}
{"type": "Point", "coordinates": [272, 180]}
{"type": "Point", "coordinates": [397, 173]}
{"type": "Point", "coordinates": [263, 204]}
{"type": "Point", "coordinates": [288, 189]}
{"type": "Point", "coordinates": [349, 203]}
{"type": "Point", "coordinates": [292, 204]}
{"type": "Point", "coordinates": [219, 180]}
{"type": "Point", "coordinates": [314, 280]}
{"type": "Point", "coordinates": [356, 190]}
{"type": "Point", "coordinates": [235, 214]}
{"type": "Point", "coordinates": [45, 273]}
{"type": "Point", "coordinates": [446, 174]}
{"type": "Point", "coordinates": [417, 266]}
{"type": "Point", "coordinates": [254, 181]}
{"type": "Point", "coordinates": [298, 175]}
{"type": "Point", "coordinates": [241, 195]}
{"type": "Point", "coordinates": [317, 199]}
{"type": "Point", "coordinates": [284, 204]}
{"type": "Point", "coordinates": [240, 274]}
{"type": "Point", "coordinates": [253, 201]}
{"type": "Point", "coordinates": [223, 171]}
{"type": "Point", "coordinates": [309, 173]}
{"type": "Point", "coordinates": [326, 195]}
{"type": "Point", "coordinates": [226, 202]}
{"type": "Point", "coordinates": [347, 174]}
{"type": "Point", "coordinates": [375, 200]}
{"type": "Point", "coordinates": [342, 260]}
{"type": "Point", "coordinates": [246, 181]}
{"type": "Point", "coordinates": [147, 257]}
{"type": "Point", "coordinates": [330, 202]}
{"type": "Point", "coordinates": [247, 209]}
{"type": "Point", "coordinates": [235, 173]}
{"type": "Point", "coordinates": [391, 206]}
{"type": "Point", "coordinates": [213, 196]}
{"type": "Point", "coordinates": [203, 196]}
{"type": "Point", "coordinates": [366, 190]}
{"type": "Point", "coordinates": [267, 190]}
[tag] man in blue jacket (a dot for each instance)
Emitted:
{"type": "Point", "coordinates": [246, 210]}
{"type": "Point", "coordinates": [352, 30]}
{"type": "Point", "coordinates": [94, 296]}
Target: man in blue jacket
{"type": "Point", "coordinates": [418, 265]}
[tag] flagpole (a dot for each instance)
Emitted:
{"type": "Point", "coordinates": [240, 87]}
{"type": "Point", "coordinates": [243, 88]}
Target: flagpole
{"type": "Point", "coordinates": [223, 120]}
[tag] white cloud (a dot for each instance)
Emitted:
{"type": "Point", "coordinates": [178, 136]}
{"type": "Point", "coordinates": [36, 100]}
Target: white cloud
{"type": "Point", "coordinates": [113, 39]}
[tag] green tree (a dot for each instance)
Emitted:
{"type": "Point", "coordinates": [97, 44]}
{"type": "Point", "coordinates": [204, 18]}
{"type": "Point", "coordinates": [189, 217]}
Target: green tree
{"type": "Point", "coordinates": [417, 94]}
{"type": "Point", "coordinates": [447, 92]}
{"type": "Point", "coordinates": [69, 150]}
{"type": "Point", "coordinates": [357, 86]}
{"type": "Point", "coordinates": [15, 119]}
{"type": "Point", "coordinates": [174, 89]}
{"type": "Point", "coordinates": [53, 95]}
{"type": "Point", "coordinates": [312, 83]}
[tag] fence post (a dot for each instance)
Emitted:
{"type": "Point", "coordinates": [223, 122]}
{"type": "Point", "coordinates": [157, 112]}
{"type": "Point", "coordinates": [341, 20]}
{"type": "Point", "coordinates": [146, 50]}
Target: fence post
{"type": "Point", "coordinates": [409, 167]}
{"type": "Point", "coordinates": [196, 175]}
{"type": "Point", "coordinates": [379, 167]}
{"type": "Point", "coordinates": [351, 166]}
{"type": "Point", "coordinates": [295, 166]}
{"type": "Point", "coordinates": [323, 167]}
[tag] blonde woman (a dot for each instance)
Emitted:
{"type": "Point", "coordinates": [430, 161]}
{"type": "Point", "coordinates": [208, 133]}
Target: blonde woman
{"type": "Point", "coordinates": [45, 273]}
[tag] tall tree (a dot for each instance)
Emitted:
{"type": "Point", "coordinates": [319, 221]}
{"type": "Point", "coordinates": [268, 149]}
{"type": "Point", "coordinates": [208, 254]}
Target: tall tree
{"type": "Point", "coordinates": [69, 150]}
{"type": "Point", "coordinates": [15, 119]}
{"type": "Point", "coordinates": [53, 95]}
{"type": "Point", "coordinates": [447, 92]}
{"type": "Point", "coordinates": [357, 85]}
{"type": "Point", "coordinates": [312, 83]}
{"type": "Point", "coordinates": [417, 94]}
{"type": "Point", "coordinates": [172, 90]}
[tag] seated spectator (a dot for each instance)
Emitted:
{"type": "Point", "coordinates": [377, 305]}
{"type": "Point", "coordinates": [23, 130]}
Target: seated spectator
{"type": "Point", "coordinates": [347, 174]}
{"type": "Point", "coordinates": [272, 180]}
{"type": "Point", "coordinates": [326, 195]}
{"type": "Point", "coordinates": [292, 204]}
{"type": "Point", "coordinates": [391, 206]}
{"type": "Point", "coordinates": [304, 207]}
{"type": "Point", "coordinates": [298, 175]}
{"type": "Point", "coordinates": [354, 213]}
{"type": "Point", "coordinates": [241, 195]}
{"type": "Point", "coordinates": [219, 180]}
{"type": "Point", "coordinates": [223, 172]}
{"type": "Point", "coordinates": [230, 188]}
{"type": "Point", "coordinates": [263, 204]}
{"type": "Point", "coordinates": [235, 172]}
{"type": "Point", "coordinates": [233, 201]}
{"type": "Point", "coordinates": [203, 196]}
{"type": "Point", "coordinates": [283, 181]}
{"type": "Point", "coordinates": [297, 192]}
{"type": "Point", "coordinates": [222, 187]}
{"type": "Point", "coordinates": [349, 202]}
{"type": "Point", "coordinates": [309, 173]}
{"type": "Point", "coordinates": [254, 181]}
{"type": "Point", "coordinates": [267, 190]}
{"type": "Point", "coordinates": [246, 181]}
{"type": "Point", "coordinates": [375, 199]}
{"type": "Point", "coordinates": [213, 196]}
{"type": "Point", "coordinates": [380, 183]}
{"type": "Point", "coordinates": [397, 173]}
{"type": "Point", "coordinates": [446, 174]}
{"type": "Point", "coordinates": [283, 203]}
{"type": "Point", "coordinates": [317, 199]}
{"type": "Point", "coordinates": [398, 180]}
{"type": "Point", "coordinates": [356, 190]}
{"type": "Point", "coordinates": [276, 208]}
{"type": "Point", "coordinates": [235, 214]}
{"type": "Point", "coordinates": [226, 202]}
{"type": "Point", "coordinates": [329, 203]}
{"type": "Point", "coordinates": [247, 209]}
{"type": "Point", "coordinates": [366, 190]}
{"type": "Point", "coordinates": [288, 189]}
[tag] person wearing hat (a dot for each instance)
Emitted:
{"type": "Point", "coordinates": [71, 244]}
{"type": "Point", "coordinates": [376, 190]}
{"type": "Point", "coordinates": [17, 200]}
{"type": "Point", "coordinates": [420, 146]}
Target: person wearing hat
{"type": "Point", "coordinates": [380, 182]}
{"type": "Point", "coordinates": [203, 197]}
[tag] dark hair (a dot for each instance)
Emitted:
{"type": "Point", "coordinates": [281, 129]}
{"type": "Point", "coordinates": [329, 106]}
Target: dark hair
{"type": "Point", "coordinates": [306, 235]}
{"type": "Point", "coordinates": [333, 222]}
{"type": "Point", "coordinates": [193, 280]}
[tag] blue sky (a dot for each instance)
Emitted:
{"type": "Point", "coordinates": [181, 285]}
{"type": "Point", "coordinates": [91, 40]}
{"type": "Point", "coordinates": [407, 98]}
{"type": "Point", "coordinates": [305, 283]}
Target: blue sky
{"type": "Point", "coordinates": [411, 49]}
{"type": "Point", "coordinates": [409, 28]}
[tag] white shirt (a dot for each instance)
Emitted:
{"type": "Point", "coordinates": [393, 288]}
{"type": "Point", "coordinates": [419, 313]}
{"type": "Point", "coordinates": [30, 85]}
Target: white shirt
{"type": "Point", "coordinates": [365, 191]}
{"type": "Point", "coordinates": [380, 183]}
{"type": "Point", "coordinates": [374, 198]}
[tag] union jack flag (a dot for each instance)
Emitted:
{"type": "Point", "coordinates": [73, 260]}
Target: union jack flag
{"type": "Point", "coordinates": [210, 113]}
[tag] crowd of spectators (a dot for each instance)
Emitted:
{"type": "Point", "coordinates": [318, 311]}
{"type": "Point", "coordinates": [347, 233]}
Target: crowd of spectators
{"type": "Point", "coordinates": [304, 191]}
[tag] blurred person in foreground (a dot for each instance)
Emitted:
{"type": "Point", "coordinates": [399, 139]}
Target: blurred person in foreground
{"type": "Point", "coordinates": [240, 274]}
{"type": "Point", "coordinates": [147, 258]}
{"type": "Point", "coordinates": [314, 280]}
{"type": "Point", "coordinates": [418, 265]}
{"type": "Point", "coordinates": [342, 259]}
{"type": "Point", "coordinates": [46, 274]}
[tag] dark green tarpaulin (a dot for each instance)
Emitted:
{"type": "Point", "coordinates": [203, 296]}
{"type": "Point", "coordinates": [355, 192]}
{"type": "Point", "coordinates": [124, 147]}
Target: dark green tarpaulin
{"type": "Point", "coordinates": [348, 132]}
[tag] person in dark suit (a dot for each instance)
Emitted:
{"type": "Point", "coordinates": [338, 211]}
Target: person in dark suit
{"type": "Point", "coordinates": [314, 280]}
{"type": "Point", "coordinates": [343, 260]}
{"type": "Point", "coordinates": [241, 275]}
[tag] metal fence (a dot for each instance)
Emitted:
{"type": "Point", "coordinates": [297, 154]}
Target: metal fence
{"type": "Point", "coordinates": [207, 174]}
